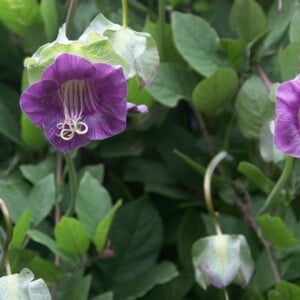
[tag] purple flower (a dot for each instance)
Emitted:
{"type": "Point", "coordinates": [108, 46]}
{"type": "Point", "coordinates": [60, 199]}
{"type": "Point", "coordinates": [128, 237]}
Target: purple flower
{"type": "Point", "coordinates": [287, 124]}
{"type": "Point", "coordinates": [77, 101]}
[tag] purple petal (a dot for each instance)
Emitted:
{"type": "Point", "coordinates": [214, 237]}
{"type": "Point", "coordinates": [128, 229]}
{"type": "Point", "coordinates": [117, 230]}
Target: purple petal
{"type": "Point", "coordinates": [67, 67]}
{"type": "Point", "coordinates": [39, 101]}
{"type": "Point", "coordinates": [139, 109]}
{"type": "Point", "coordinates": [110, 96]}
{"type": "Point", "coordinates": [287, 129]}
{"type": "Point", "coordinates": [52, 135]}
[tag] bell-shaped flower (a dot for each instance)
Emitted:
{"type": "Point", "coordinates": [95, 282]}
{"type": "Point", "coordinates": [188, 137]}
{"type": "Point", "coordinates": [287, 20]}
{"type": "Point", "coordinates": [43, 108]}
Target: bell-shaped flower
{"type": "Point", "coordinates": [287, 123]}
{"type": "Point", "coordinates": [23, 287]}
{"type": "Point", "coordinates": [77, 101]}
{"type": "Point", "coordinates": [221, 260]}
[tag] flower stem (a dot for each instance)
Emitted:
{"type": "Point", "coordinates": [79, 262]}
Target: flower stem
{"type": "Point", "coordinates": [207, 188]}
{"type": "Point", "coordinates": [8, 238]}
{"type": "Point", "coordinates": [162, 20]}
{"type": "Point", "coordinates": [72, 181]}
{"type": "Point", "coordinates": [226, 294]}
{"type": "Point", "coordinates": [125, 13]}
{"type": "Point", "coordinates": [285, 175]}
{"type": "Point", "coordinates": [70, 15]}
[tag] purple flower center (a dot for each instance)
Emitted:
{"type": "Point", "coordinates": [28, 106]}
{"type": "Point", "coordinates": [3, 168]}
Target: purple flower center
{"type": "Point", "coordinates": [76, 96]}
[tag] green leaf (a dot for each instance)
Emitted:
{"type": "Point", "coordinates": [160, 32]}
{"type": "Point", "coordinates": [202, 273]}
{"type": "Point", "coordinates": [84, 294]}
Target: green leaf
{"type": "Point", "coordinates": [213, 93]}
{"type": "Point", "coordinates": [294, 32]}
{"type": "Point", "coordinates": [92, 204]}
{"type": "Point", "coordinates": [26, 287]}
{"type": "Point", "coordinates": [72, 236]}
{"type": "Point", "coordinates": [48, 242]}
{"type": "Point", "coordinates": [159, 274]}
{"type": "Point", "coordinates": [256, 176]}
{"type": "Point", "coordinates": [97, 171]}
{"type": "Point", "coordinates": [175, 289]}
{"type": "Point", "coordinates": [20, 229]}
{"type": "Point", "coordinates": [34, 173]}
{"type": "Point", "coordinates": [173, 83]}
{"type": "Point", "coordinates": [104, 226]}
{"type": "Point", "coordinates": [136, 236]}
{"type": "Point", "coordinates": [235, 50]}
{"type": "Point", "coordinates": [247, 19]}
{"type": "Point", "coordinates": [138, 95]}
{"type": "Point", "coordinates": [190, 229]}
{"type": "Point", "coordinates": [78, 288]}
{"type": "Point", "coordinates": [31, 135]}
{"type": "Point", "coordinates": [289, 61]}
{"type": "Point", "coordinates": [285, 291]}
{"type": "Point", "coordinates": [19, 16]}
{"type": "Point", "coordinates": [41, 199]}
{"type": "Point", "coordinates": [253, 107]}
{"type": "Point", "coordinates": [197, 42]}
{"type": "Point", "coordinates": [50, 18]}
{"type": "Point", "coordinates": [9, 120]}
{"type": "Point", "coordinates": [15, 193]}
{"type": "Point", "coordinates": [105, 296]}
{"type": "Point", "coordinates": [276, 231]}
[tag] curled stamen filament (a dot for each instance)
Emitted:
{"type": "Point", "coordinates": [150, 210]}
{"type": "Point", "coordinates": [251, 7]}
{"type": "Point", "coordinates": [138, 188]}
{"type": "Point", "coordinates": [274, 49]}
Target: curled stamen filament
{"type": "Point", "coordinates": [71, 126]}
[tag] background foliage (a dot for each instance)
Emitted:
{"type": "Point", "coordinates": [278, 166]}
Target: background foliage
{"type": "Point", "coordinates": [211, 94]}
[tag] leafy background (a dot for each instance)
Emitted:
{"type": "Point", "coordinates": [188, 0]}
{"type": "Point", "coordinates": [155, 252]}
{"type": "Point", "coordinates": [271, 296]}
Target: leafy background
{"type": "Point", "coordinates": [140, 204]}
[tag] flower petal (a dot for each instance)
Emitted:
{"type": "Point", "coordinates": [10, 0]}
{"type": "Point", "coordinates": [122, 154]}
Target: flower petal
{"type": "Point", "coordinates": [39, 101]}
{"type": "Point", "coordinates": [52, 134]}
{"type": "Point", "coordinates": [110, 97]}
{"type": "Point", "coordinates": [67, 67]}
{"type": "Point", "coordinates": [288, 96]}
{"type": "Point", "coordinates": [286, 134]}
{"type": "Point", "coordinates": [139, 109]}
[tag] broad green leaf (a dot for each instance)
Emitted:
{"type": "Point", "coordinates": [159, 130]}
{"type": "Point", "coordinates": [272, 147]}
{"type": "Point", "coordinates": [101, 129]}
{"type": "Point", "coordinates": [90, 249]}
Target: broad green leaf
{"type": "Point", "coordinates": [41, 267]}
{"type": "Point", "coordinates": [159, 274]}
{"type": "Point", "coordinates": [235, 50]}
{"type": "Point", "coordinates": [48, 242]}
{"type": "Point", "coordinates": [247, 19]}
{"type": "Point", "coordinates": [34, 173]}
{"type": "Point", "coordinates": [175, 289]}
{"type": "Point", "coordinates": [41, 199]}
{"type": "Point", "coordinates": [23, 287]}
{"type": "Point", "coordinates": [136, 236]}
{"type": "Point", "coordinates": [31, 135]}
{"type": "Point", "coordinates": [213, 93]}
{"type": "Point", "coordinates": [173, 83]}
{"type": "Point", "coordinates": [289, 61]}
{"type": "Point", "coordinates": [190, 229]}
{"type": "Point", "coordinates": [253, 107]}
{"type": "Point", "coordinates": [20, 229]}
{"type": "Point", "coordinates": [276, 231]}
{"type": "Point", "coordinates": [9, 118]}
{"type": "Point", "coordinates": [197, 42]}
{"type": "Point", "coordinates": [50, 18]}
{"type": "Point", "coordinates": [285, 291]}
{"type": "Point", "coordinates": [92, 204]}
{"type": "Point", "coordinates": [294, 32]}
{"type": "Point", "coordinates": [256, 176]}
{"type": "Point", "coordinates": [77, 289]}
{"type": "Point", "coordinates": [19, 16]}
{"type": "Point", "coordinates": [72, 236]}
{"type": "Point", "coordinates": [138, 95]}
{"type": "Point", "coordinates": [105, 296]}
{"type": "Point", "coordinates": [104, 226]}
{"type": "Point", "coordinates": [97, 171]}
{"type": "Point", "coordinates": [14, 193]}
{"type": "Point", "coordinates": [167, 50]}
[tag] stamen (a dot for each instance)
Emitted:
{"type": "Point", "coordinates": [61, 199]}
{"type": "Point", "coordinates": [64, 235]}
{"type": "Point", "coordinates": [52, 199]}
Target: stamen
{"type": "Point", "coordinates": [76, 96]}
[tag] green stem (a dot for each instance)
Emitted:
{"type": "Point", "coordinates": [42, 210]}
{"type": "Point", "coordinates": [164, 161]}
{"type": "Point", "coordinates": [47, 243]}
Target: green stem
{"type": "Point", "coordinates": [207, 188]}
{"type": "Point", "coordinates": [285, 175]}
{"type": "Point", "coordinates": [226, 294]}
{"type": "Point", "coordinates": [125, 13]}
{"type": "Point", "coordinates": [72, 182]}
{"type": "Point", "coordinates": [8, 238]}
{"type": "Point", "coordinates": [162, 21]}
{"type": "Point", "coordinates": [70, 15]}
